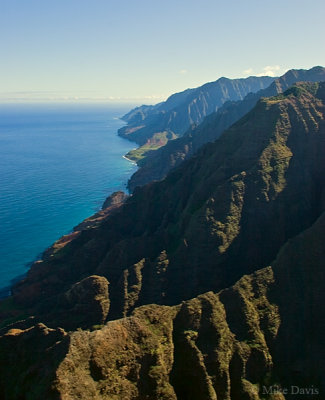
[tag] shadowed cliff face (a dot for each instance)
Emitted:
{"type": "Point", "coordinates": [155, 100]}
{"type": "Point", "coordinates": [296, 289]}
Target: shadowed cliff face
{"type": "Point", "coordinates": [156, 164]}
{"type": "Point", "coordinates": [181, 110]}
{"type": "Point", "coordinates": [265, 331]}
{"type": "Point", "coordinates": [224, 213]}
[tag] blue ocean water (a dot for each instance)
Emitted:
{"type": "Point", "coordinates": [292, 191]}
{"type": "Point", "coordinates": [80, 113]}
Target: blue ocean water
{"type": "Point", "coordinates": [58, 163]}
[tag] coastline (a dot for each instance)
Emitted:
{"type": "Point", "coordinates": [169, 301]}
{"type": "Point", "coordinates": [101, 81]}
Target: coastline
{"type": "Point", "coordinates": [10, 282]}
{"type": "Point", "coordinates": [6, 291]}
{"type": "Point", "coordinates": [131, 161]}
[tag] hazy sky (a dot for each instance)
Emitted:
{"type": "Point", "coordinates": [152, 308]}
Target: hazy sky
{"type": "Point", "coordinates": [141, 50]}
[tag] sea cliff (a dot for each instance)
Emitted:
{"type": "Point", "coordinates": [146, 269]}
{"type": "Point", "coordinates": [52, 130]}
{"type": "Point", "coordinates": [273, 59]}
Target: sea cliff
{"type": "Point", "coordinates": [157, 162]}
{"type": "Point", "coordinates": [207, 284]}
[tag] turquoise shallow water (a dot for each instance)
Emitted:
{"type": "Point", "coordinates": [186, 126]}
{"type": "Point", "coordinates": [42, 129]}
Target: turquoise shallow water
{"type": "Point", "coordinates": [58, 163]}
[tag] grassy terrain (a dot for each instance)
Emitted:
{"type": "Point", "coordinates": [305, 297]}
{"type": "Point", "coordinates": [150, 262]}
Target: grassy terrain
{"type": "Point", "coordinates": [158, 140]}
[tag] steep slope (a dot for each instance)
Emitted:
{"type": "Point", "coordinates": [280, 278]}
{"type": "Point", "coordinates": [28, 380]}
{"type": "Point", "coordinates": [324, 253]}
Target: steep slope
{"type": "Point", "coordinates": [256, 340]}
{"type": "Point", "coordinates": [222, 214]}
{"type": "Point", "coordinates": [181, 110]}
{"type": "Point", "coordinates": [139, 114]}
{"type": "Point", "coordinates": [158, 163]}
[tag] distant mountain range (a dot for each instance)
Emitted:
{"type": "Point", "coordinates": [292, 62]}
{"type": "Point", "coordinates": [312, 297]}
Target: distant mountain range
{"type": "Point", "coordinates": [152, 126]}
{"type": "Point", "coordinates": [156, 164]}
{"type": "Point", "coordinates": [183, 109]}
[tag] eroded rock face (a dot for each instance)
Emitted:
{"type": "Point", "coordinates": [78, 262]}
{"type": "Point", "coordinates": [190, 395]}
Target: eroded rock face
{"type": "Point", "coordinates": [225, 213]}
{"type": "Point", "coordinates": [229, 345]}
{"type": "Point", "coordinates": [126, 359]}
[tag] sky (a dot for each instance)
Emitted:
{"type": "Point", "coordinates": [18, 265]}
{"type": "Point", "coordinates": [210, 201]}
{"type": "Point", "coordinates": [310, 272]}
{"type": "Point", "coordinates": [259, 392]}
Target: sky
{"type": "Point", "coordinates": [143, 51]}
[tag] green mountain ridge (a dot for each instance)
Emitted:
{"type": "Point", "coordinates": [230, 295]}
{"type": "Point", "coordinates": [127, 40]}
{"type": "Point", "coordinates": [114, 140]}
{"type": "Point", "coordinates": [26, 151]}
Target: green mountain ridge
{"type": "Point", "coordinates": [156, 164]}
{"type": "Point", "coordinates": [233, 345]}
{"type": "Point", "coordinates": [201, 215]}
{"type": "Point", "coordinates": [222, 217]}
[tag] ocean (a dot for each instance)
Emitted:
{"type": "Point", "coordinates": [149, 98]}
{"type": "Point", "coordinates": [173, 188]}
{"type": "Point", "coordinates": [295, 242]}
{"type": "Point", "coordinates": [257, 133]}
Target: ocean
{"type": "Point", "coordinates": [58, 163]}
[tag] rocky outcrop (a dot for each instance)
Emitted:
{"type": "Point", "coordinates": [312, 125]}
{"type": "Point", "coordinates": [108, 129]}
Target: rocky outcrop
{"type": "Point", "coordinates": [87, 301]}
{"type": "Point", "coordinates": [110, 205]}
{"type": "Point", "coordinates": [262, 335]}
{"type": "Point", "coordinates": [156, 164]}
{"type": "Point", "coordinates": [28, 362]}
{"type": "Point", "coordinates": [116, 198]}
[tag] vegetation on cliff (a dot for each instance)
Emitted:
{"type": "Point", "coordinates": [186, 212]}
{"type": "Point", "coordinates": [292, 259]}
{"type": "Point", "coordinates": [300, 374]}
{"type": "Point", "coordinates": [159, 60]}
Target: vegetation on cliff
{"type": "Point", "coordinates": [207, 223]}
{"type": "Point", "coordinates": [155, 165]}
{"type": "Point", "coordinates": [186, 263]}
{"type": "Point", "coordinates": [232, 345]}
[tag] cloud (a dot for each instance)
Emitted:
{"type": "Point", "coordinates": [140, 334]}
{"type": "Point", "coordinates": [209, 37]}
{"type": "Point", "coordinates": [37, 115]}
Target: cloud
{"type": "Point", "coordinates": [270, 70]}
{"type": "Point", "coordinates": [248, 71]}
{"type": "Point", "coordinates": [183, 71]}
{"type": "Point", "coordinates": [48, 96]}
